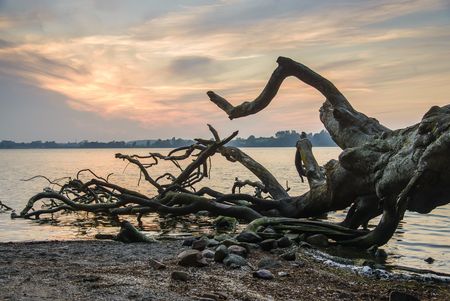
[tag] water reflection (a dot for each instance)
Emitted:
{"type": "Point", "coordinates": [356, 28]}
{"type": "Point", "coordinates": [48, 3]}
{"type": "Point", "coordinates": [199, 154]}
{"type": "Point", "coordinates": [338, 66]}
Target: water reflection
{"type": "Point", "coordinates": [418, 236]}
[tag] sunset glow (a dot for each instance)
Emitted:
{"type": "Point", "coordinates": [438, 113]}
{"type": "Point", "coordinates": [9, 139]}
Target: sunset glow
{"type": "Point", "coordinates": [142, 68]}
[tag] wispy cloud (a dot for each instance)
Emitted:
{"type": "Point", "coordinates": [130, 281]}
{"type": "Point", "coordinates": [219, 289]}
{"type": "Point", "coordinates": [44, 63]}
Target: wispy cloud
{"type": "Point", "coordinates": [156, 70]}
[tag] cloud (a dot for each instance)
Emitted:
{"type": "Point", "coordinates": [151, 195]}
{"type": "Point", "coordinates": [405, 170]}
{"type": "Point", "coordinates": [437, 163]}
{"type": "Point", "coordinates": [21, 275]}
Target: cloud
{"type": "Point", "coordinates": [153, 67]}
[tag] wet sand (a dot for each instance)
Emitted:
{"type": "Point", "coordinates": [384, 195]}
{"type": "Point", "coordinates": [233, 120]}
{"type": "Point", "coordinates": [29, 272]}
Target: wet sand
{"type": "Point", "coordinates": [109, 270]}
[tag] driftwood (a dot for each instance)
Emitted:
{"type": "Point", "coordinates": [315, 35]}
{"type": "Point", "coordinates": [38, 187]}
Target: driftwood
{"type": "Point", "coordinates": [380, 172]}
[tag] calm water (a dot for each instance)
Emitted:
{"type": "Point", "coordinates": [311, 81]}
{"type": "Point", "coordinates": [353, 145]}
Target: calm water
{"type": "Point", "coordinates": [419, 236]}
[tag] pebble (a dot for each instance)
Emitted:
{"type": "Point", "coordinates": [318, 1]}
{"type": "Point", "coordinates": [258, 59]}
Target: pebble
{"type": "Point", "coordinates": [221, 253]}
{"type": "Point", "coordinates": [191, 258]}
{"type": "Point", "coordinates": [400, 296]}
{"type": "Point", "coordinates": [233, 260]}
{"type": "Point", "coordinates": [157, 265]}
{"type": "Point", "coordinates": [212, 243]}
{"type": "Point", "coordinates": [222, 237]}
{"type": "Point", "coordinates": [318, 240]}
{"type": "Point", "coordinates": [268, 244]}
{"type": "Point", "coordinates": [238, 250]}
{"type": "Point", "coordinates": [263, 274]}
{"type": "Point", "coordinates": [289, 256]}
{"type": "Point", "coordinates": [380, 253]}
{"type": "Point", "coordinates": [268, 263]}
{"type": "Point", "coordinates": [188, 241]}
{"type": "Point", "coordinates": [208, 254]}
{"type": "Point", "coordinates": [229, 242]}
{"type": "Point", "coordinates": [284, 242]}
{"type": "Point", "coordinates": [429, 260]}
{"type": "Point", "coordinates": [305, 245]}
{"type": "Point", "coordinates": [200, 244]}
{"type": "Point", "coordinates": [250, 237]}
{"type": "Point", "coordinates": [179, 275]}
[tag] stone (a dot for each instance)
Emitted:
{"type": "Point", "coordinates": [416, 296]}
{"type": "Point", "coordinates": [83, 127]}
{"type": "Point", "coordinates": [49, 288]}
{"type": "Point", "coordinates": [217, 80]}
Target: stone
{"type": "Point", "coordinates": [283, 274]}
{"type": "Point", "coordinates": [249, 246]}
{"type": "Point", "coordinates": [372, 249]}
{"type": "Point", "coordinates": [269, 263]}
{"type": "Point", "coordinates": [157, 265]}
{"type": "Point", "coordinates": [268, 244]}
{"type": "Point", "coordinates": [263, 274]}
{"type": "Point", "coordinates": [400, 296]}
{"type": "Point", "coordinates": [191, 258]}
{"type": "Point", "coordinates": [301, 237]}
{"type": "Point", "coordinates": [238, 250]}
{"type": "Point", "coordinates": [248, 236]}
{"type": "Point", "coordinates": [318, 240]}
{"type": "Point", "coordinates": [298, 264]}
{"type": "Point", "coordinates": [429, 260]}
{"type": "Point", "coordinates": [179, 275]}
{"type": "Point", "coordinates": [208, 254]}
{"type": "Point", "coordinates": [222, 237]}
{"type": "Point", "coordinates": [200, 244]}
{"type": "Point", "coordinates": [188, 241]}
{"type": "Point", "coordinates": [304, 244]}
{"type": "Point", "coordinates": [233, 260]}
{"type": "Point", "coordinates": [203, 213]}
{"type": "Point", "coordinates": [284, 242]}
{"type": "Point", "coordinates": [225, 223]}
{"type": "Point", "coordinates": [209, 296]}
{"type": "Point", "coordinates": [380, 253]}
{"type": "Point", "coordinates": [269, 230]}
{"type": "Point", "coordinates": [289, 256]}
{"type": "Point", "coordinates": [212, 243]}
{"type": "Point", "coordinates": [221, 253]}
{"type": "Point", "coordinates": [229, 242]}
{"type": "Point", "coordinates": [104, 236]}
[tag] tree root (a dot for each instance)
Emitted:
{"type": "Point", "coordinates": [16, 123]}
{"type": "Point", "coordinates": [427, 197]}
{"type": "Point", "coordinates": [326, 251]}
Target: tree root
{"type": "Point", "coordinates": [380, 171]}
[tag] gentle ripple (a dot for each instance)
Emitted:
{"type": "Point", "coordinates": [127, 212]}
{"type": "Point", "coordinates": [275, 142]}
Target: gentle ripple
{"type": "Point", "coordinates": [418, 237]}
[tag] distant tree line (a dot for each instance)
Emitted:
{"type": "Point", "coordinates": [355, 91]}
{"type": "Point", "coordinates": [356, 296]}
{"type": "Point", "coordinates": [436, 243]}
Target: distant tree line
{"type": "Point", "coordinates": [281, 139]}
{"type": "Point", "coordinates": [284, 139]}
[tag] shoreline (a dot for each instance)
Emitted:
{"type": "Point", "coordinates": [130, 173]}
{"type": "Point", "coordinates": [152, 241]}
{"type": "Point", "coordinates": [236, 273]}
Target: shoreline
{"type": "Point", "coordinates": [109, 270]}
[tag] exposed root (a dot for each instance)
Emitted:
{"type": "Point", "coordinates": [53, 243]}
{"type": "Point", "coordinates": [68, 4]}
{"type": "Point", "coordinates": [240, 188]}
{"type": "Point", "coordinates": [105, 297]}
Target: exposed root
{"type": "Point", "coordinates": [380, 171]}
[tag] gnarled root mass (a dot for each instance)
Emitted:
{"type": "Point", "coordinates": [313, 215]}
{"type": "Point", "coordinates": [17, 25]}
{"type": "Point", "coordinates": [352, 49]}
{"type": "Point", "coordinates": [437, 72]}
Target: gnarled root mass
{"type": "Point", "coordinates": [380, 172]}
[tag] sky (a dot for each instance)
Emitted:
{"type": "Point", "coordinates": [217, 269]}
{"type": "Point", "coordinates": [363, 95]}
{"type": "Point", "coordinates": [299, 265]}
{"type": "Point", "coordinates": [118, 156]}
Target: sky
{"type": "Point", "coordinates": [126, 70]}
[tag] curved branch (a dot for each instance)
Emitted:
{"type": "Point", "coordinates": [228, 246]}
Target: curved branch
{"type": "Point", "coordinates": [347, 126]}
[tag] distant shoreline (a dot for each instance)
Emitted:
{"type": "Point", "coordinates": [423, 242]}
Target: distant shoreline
{"type": "Point", "coordinates": [280, 139]}
{"type": "Point", "coordinates": [145, 147]}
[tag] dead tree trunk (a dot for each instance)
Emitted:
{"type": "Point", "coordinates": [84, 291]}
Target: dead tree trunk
{"type": "Point", "coordinates": [380, 171]}
{"type": "Point", "coordinates": [396, 170]}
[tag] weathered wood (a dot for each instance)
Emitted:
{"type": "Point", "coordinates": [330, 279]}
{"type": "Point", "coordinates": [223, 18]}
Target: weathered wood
{"type": "Point", "coordinates": [379, 171]}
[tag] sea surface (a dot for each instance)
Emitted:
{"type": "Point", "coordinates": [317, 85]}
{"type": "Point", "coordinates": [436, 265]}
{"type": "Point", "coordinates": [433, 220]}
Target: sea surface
{"type": "Point", "coordinates": [418, 237]}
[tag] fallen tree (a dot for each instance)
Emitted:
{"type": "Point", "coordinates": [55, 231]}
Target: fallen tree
{"type": "Point", "coordinates": [379, 172]}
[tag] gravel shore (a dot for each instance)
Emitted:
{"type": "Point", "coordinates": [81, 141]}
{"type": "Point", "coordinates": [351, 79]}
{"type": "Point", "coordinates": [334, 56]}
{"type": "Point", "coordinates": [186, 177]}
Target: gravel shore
{"type": "Point", "coordinates": [109, 270]}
